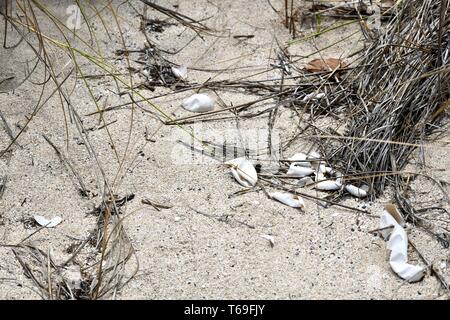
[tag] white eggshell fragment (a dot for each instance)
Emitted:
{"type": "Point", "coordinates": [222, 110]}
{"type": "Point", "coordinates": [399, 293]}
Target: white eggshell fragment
{"type": "Point", "coordinates": [322, 168]}
{"type": "Point", "coordinates": [319, 176]}
{"type": "Point", "coordinates": [198, 103]}
{"type": "Point", "coordinates": [299, 171]}
{"type": "Point", "coordinates": [301, 157]}
{"type": "Point", "coordinates": [333, 172]}
{"type": "Point", "coordinates": [365, 187]}
{"type": "Point", "coordinates": [180, 72]}
{"type": "Point", "coordinates": [313, 96]}
{"type": "Point", "coordinates": [243, 171]}
{"type": "Point", "coordinates": [328, 185]}
{"type": "Point", "coordinates": [355, 191]}
{"type": "Point", "coordinates": [289, 199]}
{"type": "Point", "coordinates": [314, 155]}
{"type": "Point", "coordinates": [398, 244]}
{"type": "Point", "coordinates": [44, 222]}
{"type": "Point", "coordinates": [305, 181]}
{"type": "Point", "coordinates": [269, 238]}
{"type": "Point", "coordinates": [298, 156]}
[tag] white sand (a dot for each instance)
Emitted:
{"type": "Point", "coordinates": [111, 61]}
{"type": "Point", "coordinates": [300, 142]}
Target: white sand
{"type": "Point", "coordinates": [319, 253]}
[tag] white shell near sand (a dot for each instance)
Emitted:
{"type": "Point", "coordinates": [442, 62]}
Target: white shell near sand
{"type": "Point", "coordinates": [269, 238]}
{"type": "Point", "coordinates": [48, 223]}
{"type": "Point", "coordinates": [314, 155]}
{"type": "Point", "coordinates": [355, 191]}
{"type": "Point", "coordinates": [305, 181]}
{"type": "Point", "coordinates": [180, 72]}
{"type": "Point", "coordinates": [299, 171]}
{"type": "Point", "coordinates": [313, 96]}
{"type": "Point", "coordinates": [328, 185]}
{"type": "Point", "coordinates": [398, 244]}
{"type": "Point", "coordinates": [302, 157]}
{"type": "Point", "coordinates": [289, 199]}
{"type": "Point", "coordinates": [198, 102]}
{"type": "Point", "coordinates": [333, 172]}
{"type": "Point", "coordinates": [243, 171]}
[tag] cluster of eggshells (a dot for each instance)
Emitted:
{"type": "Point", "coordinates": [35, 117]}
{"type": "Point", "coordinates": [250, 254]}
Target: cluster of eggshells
{"type": "Point", "coordinates": [302, 166]}
{"type": "Point", "coordinates": [198, 102]}
{"type": "Point", "coordinates": [309, 168]}
{"type": "Point", "coordinates": [306, 167]}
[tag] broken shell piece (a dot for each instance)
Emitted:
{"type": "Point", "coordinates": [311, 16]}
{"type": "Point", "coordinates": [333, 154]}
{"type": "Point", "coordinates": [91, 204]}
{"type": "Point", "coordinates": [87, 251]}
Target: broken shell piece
{"type": "Point", "coordinates": [333, 172]}
{"type": "Point", "coordinates": [302, 157]}
{"type": "Point", "coordinates": [298, 157]}
{"type": "Point", "coordinates": [299, 171]}
{"type": "Point", "coordinates": [313, 96]}
{"type": "Point", "coordinates": [305, 181]}
{"type": "Point", "coordinates": [314, 155]}
{"type": "Point", "coordinates": [270, 238]}
{"type": "Point", "coordinates": [289, 199]}
{"type": "Point", "coordinates": [319, 176]}
{"type": "Point", "coordinates": [180, 72]}
{"type": "Point", "coordinates": [365, 187]}
{"type": "Point", "coordinates": [328, 170]}
{"type": "Point", "coordinates": [398, 244]}
{"type": "Point", "coordinates": [328, 185]}
{"type": "Point", "coordinates": [322, 168]}
{"type": "Point", "coordinates": [198, 103]}
{"type": "Point", "coordinates": [355, 191]}
{"type": "Point", "coordinates": [44, 222]}
{"type": "Point", "coordinates": [243, 171]}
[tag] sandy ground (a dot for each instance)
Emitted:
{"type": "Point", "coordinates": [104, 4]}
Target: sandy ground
{"type": "Point", "coordinates": [187, 251]}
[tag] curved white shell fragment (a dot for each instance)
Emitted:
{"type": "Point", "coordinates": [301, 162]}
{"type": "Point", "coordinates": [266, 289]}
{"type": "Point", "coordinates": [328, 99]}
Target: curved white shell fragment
{"type": "Point", "coordinates": [398, 244]}
{"type": "Point", "coordinates": [328, 185]}
{"type": "Point", "coordinates": [198, 102]}
{"type": "Point", "coordinates": [322, 168]}
{"type": "Point", "coordinates": [180, 72]}
{"type": "Point", "coordinates": [269, 238]}
{"type": "Point", "coordinates": [355, 191]}
{"type": "Point", "coordinates": [305, 181]}
{"type": "Point", "coordinates": [302, 157]}
{"type": "Point", "coordinates": [289, 199]}
{"type": "Point", "coordinates": [314, 155]}
{"type": "Point", "coordinates": [299, 171]}
{"type": "Point", "coordinates": [338, 174]}
{"type": "Point", "coordinates": [333, 172]}
{"type": "Point", "coordinates": [298, 157]}
{"type": "Point", "coordinates": [364, 187]}
{"type": "Point", "coordinates": [44, 222]}
{"type": "Point", "coordinates": [313, 96]}
{"type": "Point", "coordinates": [328, 170]}
{"type": "Point", "coordinates": [243, 171]}
{"type": "Point", "coordinates": [319, 176]}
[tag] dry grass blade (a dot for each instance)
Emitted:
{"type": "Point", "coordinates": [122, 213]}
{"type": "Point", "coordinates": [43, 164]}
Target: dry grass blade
{"type": "Point", "coordinates": [186, 21]}
{"type": "Point", "coordinates": [400, 94]}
